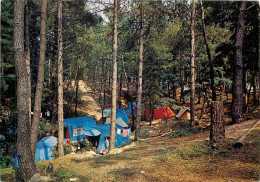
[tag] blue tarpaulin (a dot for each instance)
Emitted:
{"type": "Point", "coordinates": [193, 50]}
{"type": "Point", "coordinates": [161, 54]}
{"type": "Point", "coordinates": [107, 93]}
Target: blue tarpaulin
{"type": "Point", "coordinates": [120, 113]}
{"type": "Point", "coordinates": [105, 132]}
{"type": "Point", "coordinates": [44, 149]}
{"type": "Point", "coordinates": [79, 122]}
{"type": "Point", "coordinates": [129, 108]}
{"type": "Point", "coordinates": [91, 132]}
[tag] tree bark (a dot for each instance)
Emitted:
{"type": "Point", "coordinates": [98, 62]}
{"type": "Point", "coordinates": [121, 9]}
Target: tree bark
{"type": "Point", "coordinates": [114, 80]}
{"type": "Point", "coordinates": [1, 62]}
{"type": "Point", "coordinates": [140, 73]}
{"type": "Point", "coordinates": [237, 95]}
{"type": "Point", "coordinates": [49, 72]}
{"type": "Point", "coordinates": [214, 96]}
{"type": "Point", "coordinates": [60, 82]}
{"type": "Point", "coordinates": [40, 80]}
{"type": "Point", "coordinates": [217, 125]}
{"type": "Point", "coordinates": [27, 58]}
{"type": "Point", "coordinates": [77, 89]}
{"type": "Point", "coordinates": [192, 66]}
{"type": "Point", "coordinates": [26, 168]}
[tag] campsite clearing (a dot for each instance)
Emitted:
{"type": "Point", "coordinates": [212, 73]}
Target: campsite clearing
{"type": "Point", "coordinates": [168, 159]}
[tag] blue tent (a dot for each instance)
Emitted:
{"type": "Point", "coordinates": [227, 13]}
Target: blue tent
{"type": "Point", "coordinates": [44, 149]}
{"type": "Point", "coordinates": [129, 108]}
{"type": "Point", "coordinates": [120, 113]}
{"type": "Point", "coordinates": [77, 125]}
{"type": "Point", "coordinates": [105, 132]}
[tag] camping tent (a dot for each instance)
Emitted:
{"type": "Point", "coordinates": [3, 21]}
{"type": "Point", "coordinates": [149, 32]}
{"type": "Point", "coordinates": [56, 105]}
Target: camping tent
{"type": "Point", "coordinates": [44, 148]}
{"type": "Point", "coordinates": [119, 121]}
{"type": "Point", "coordinates": [105, 134]}
{"type": "Point", "coordinates": [129, 108]}
{"type": "Point", "coordinates": [163, 112]}
{"type": "Point", "coordinates": [184, 113]}
{"type": "Point", "coordinates": [120, 113]}
{"type": "Point", "coordinates": [77, 125]}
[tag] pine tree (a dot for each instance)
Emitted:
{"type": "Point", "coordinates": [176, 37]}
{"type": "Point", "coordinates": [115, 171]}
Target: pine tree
{"type": "Point", "coordinates": [140, 72]}
{"type": "Point", "coordinates": [38, 94]}
{"type": "Point", "coordinates": [192, 64]}
{"type": "Point", "coordinates": [60, 82]}
{"type": "Point", "coordinates": [26, 167]}
{"type": "Point", "coordinates": [237, 95]}
{"type": "Point", "coordinates": [114, 84]}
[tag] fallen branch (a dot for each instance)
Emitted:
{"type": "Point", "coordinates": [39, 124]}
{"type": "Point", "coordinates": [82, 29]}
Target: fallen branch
{"type": "Point", "coordinates": [240, 142]}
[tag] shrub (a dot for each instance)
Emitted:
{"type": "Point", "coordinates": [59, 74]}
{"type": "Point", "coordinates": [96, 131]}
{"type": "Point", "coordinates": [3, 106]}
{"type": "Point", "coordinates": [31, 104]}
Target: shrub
{"type": "Point", "coordinates": [164, 157]}
{"type": "Point", "coordinates": [143, 134]}
{"type": "Point", "coordinates": [197, 149]}
{"type": "Point", "coordinates": [183, 132]}
{"type": "Point", "coordinates": [62, 174]}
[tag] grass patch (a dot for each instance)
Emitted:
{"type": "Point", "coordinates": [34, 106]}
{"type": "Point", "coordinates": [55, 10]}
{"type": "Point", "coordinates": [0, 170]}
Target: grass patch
{"type": "Point", "coordinates": [102, 161]}
{"type": "Point", "coordinates": [143, 134]}
{"type": "Point", "coordinates": [123, 174]}
{"type": "Point", "coordinates": [7, 174]}
{"type": "Point", "coordinates": [197, 149]}
{"type": "Point", "coordinates": [183, 132]}
{"type": "Point", "coordinates": [164, 157]}
{"type": "Point", "coordinates": [62, 174]}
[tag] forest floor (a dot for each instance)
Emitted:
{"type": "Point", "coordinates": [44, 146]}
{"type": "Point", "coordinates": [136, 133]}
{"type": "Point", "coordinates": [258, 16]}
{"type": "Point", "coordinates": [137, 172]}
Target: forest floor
{"type": "Point", "coordinates": [166, 158]}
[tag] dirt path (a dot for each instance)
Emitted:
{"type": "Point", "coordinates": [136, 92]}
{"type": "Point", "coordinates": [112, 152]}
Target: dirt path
{"type": "Point", "coordinates": [88, 102]}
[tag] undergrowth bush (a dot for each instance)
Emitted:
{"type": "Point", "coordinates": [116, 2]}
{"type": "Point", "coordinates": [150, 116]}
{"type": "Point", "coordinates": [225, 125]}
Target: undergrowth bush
{"type": "Point", "coordinates": [67, 150]}
{"type": "Point", "coordinates": [197, 149]}
{"type": "Point", "coordinates": [143, 134]}
{"type": "Point", "coordinates": [62, 174]}
{"type": "Point", "coordinates": [164, 157]}
{"type": "Point", "coordinates": [183, 132]}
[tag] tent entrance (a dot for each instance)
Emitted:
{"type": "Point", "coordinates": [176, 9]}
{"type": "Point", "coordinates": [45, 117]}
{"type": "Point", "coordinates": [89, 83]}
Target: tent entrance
{"type": "Point", "coordinates": [94, 140]}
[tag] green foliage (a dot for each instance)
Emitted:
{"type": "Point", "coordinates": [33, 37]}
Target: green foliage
{"type": "Point", "coordinates": [4, 160]}
{"type": "Point", "coordinates": [44, 127]}
{"type": "Point", "coordinates": [164, 157]}
{"type": "Point", "coordinates": [143, 134]}
{"type": "Point", "coordinates": [62, 174]}
{"type": "Point", "coordinates": [197, 149]}
{"type": "Point", "coordinates": [183, 132]}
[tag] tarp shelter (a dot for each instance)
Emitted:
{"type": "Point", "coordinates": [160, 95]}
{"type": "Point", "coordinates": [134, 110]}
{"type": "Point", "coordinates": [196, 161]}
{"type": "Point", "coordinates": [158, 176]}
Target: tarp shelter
{"type": "Point", "coordinates": [184, 113]}
{"type": "Point", "coordinates": [129, 108]}
{"type": "Point", "coordinates": [44, 149]}
{"type": "Point", "coordinates": [103, 143]}
{"type": "Point", "coordinates": [119, 121]}
{"type": "Point", "coordinates": [163, 112]}
{"type": "Point", "coordinates": [77, 125]}
{"type": "Point", "coordinates": [120, 113]}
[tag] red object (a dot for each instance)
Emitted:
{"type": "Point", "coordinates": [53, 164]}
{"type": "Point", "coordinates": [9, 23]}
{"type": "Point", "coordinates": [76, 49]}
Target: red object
{"type": "Point", "coordinates": [163, 112]}
{"type": "Point", "coordinates": [67, 133]}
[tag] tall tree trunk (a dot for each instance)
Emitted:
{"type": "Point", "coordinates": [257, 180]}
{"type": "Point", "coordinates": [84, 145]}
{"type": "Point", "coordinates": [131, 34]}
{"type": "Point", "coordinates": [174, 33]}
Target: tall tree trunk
{"type": "Point", "coordinates": [214, 96]}
{"type": "Point", "coordinates": [77, 89]}
{"type": "Point", "coordinates": [26, 168]}
{"type": "Point", "coordinates": [38, 94]}
{"type": "Point", "coordinates": [140, 73]}
{"type": "Point", "coordinates": [120, 90]}
{"type": "Point", "coordinates": [1, 63]}
{"type": "Point", "coordinates": [60, 81]}
{"type": "Point", "coordinates": [27, 58]}
{"type": "Point", "coordinates": [192, 66]}
{"type": "Point", "coordinates": [113, 109]}
{"type": "Point", "coordinates": [49, 72]}
{"type": "Point", "coordinates": [237, 95]}
{"type": "Point", "coordinates": [217, 125]}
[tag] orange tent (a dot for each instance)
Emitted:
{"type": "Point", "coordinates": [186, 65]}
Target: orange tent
{"type": "Point", "coordinates": [163, 112]}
